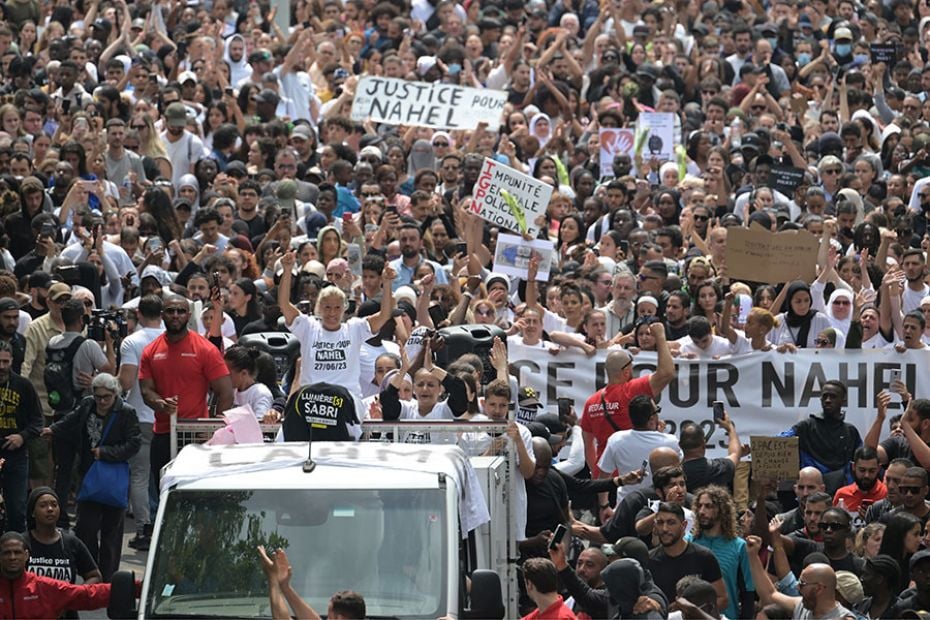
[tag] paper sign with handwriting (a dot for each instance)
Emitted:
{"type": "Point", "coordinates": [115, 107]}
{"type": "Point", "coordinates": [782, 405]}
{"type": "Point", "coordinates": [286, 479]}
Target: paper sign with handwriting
{"type": "Point", "coordinates": [757, 255]}
{"type": "Point", "coordinates": [531, 196]}
{"type": "Point", "coordinates": [425, 104]}
{"type": "Point", "coordinates": [775, 457]}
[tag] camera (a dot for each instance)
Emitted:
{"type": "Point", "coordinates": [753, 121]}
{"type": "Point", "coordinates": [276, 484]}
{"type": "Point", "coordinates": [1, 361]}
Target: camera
{"type": "Point", "coordinates": [102, 320]}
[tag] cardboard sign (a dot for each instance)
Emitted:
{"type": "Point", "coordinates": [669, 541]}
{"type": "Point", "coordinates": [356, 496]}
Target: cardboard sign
{"type": "Point", "coordinates": [786, 179]}
{"type": "Point", "coordinates": [757, 255]}
{"type": "Point", "coordinates": [512, 256]}
{"type": "Point", "coordinates": [531, 195]}
{"type": "Point", "coordinates": [775, 457]}
{"type": "Point", "coordinates": [614, 140]}
{"type": "Point", "coordinates": [424, 104]}
{"type": "Point", "coordinates": [660, 139]}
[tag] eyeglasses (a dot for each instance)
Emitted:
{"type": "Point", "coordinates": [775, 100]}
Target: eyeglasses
{"type": "Point", "coordinates": [106, 396]}
{"type": "Point", "coordinates": [910, 490]}
{"type": "Point", "coordinates": [831, 171]}
{"type": "Point", "coordinates": [841, 302]}
{"type": "Point", "coordinates": [831, 527]}
{"type": "Point", "coordinates": [757, 108]}
{"type": "Point", "coordinates": [484, 312]}
{"type": "Point", "coordinates": [802, 584]}
{"type": "Point", "coordinates": [701, 218]}
{"type": "Point", "coordinates": [441, 144]}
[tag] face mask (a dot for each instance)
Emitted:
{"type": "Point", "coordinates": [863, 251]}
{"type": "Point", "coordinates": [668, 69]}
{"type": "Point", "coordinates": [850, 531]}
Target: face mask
{"type": "Point", "coordinates": [454, 68]}
{"type": "Point", "coordinates": [773, 41]}
{"type": "Point", "coordinates": [803, 58]}
{"type": "Point", "coordinates": [843, 49]}
{"type": "Point", "coordinates": [861, 59]}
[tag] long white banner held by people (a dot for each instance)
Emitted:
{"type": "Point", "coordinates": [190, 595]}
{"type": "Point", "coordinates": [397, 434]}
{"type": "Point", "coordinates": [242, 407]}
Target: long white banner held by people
{"type": "Point", "coordinates": [426, 104]}
{"type": "Point", "coordinates": [530, 198]}
{"type": "Point", "coordinates": [765, 393]}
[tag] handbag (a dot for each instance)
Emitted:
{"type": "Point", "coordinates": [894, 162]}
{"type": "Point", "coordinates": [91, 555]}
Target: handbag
{"type": "Point", "coordinates": [106, 482]}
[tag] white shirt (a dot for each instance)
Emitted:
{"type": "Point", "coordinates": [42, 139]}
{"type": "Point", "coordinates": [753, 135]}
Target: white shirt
{"type": "Point", "coordinates": [257, 396]}
{"type": "Point", "coordinates": [910, 300]}
{"type": "Point", "coordinates": [626, 451]}
{"type": "Point", "coordinates": [330, 356]}
{"type": "Point", "coordinates": [76, 253]}
{"type": "Point", "coordinates": [130, 354]}
{"type": "Point", "coordinates": [719, 346]}
{"type": "Point", "coordinates": [368, 355]}
{"type": "Point", "coordinates": [183, 154]}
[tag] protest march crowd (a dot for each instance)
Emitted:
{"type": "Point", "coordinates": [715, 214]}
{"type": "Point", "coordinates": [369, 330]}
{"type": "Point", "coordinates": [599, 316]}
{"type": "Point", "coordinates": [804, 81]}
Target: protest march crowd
{"type": "Point", "coordinates": [410, 192]}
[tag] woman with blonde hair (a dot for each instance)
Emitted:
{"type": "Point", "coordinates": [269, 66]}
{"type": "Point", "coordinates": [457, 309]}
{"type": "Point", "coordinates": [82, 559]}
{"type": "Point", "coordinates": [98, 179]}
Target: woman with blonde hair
{"type": "Point", "coordinates": [869, 540]}
{"type": "Point", "coordinates": [150, 145]}
{"type": "Point", "coordinates": [10, 120]}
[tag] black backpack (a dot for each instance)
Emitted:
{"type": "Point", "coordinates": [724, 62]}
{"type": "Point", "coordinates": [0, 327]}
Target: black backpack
{"type": "Point", "coordinates": [59, 367]}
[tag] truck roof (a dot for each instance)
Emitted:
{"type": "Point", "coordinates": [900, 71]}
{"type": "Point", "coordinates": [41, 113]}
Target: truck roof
{"type": "Point", "coordinates": [338, 465]}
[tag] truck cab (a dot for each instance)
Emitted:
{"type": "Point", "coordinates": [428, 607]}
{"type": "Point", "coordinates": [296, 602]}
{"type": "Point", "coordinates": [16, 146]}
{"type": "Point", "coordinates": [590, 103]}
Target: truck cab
{"type": "Point", "coordinates": [403, 525]}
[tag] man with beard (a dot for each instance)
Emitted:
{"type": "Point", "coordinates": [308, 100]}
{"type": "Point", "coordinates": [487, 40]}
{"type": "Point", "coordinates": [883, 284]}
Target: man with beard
{"type": "Point", "coordinates": [9, 323]}
{"type": "Point", "coordinates": [881, 580]}
{"type": "Point", "coordinates": [184, 148]}
{"type": "Point", "coordinates": [915, 266]}
{"type": "Point", "coordinates": [670, 487]}
{"type": "Point", "coordinates": [176, 372]}
{"type": "Point", "coordinates": [716, 520]}
{"type": "Point", "coordinates": [471, 168]}
{"type": "Point", "coordinates": [866, 488]}
{"type": "Point", "coordinates": [810, 481]}
{"type": "Point", "coordinates": [911, 443]}
{"type": "Point", "coordinates": [817, 586]}
{"type": "Point", "coordinates": [834, 526]}
{"type": "Point", "coordinates": [913, 490]}
{"type": "Point", "coordinates": [894, 474]}
{"type": "Point", "coordinates": [38, 284]}
{"type": "Point", "coordinates": [675, 557]}
{"type": "Point", "coordinates": [591, 601]}
{"type": "Point", "coordinates": [411, 248]}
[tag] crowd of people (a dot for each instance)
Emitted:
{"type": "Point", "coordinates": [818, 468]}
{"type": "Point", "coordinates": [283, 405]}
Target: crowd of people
{"type": "Point", "coordinates": [177, 177]}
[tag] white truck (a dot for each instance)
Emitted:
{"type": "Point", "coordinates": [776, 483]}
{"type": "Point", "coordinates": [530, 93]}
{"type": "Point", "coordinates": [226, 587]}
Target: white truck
{"type": "Point", "coordinates": [402, 524]}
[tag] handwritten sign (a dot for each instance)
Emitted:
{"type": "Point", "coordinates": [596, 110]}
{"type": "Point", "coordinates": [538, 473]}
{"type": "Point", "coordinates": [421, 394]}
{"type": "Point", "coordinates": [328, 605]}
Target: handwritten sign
{"type": "Point", "coordinates": [425, 104]}
{"type": "Point", "coordinates": [531, 195]}
{"type": "Point", "coordinates": [614, 141]}
{"type": "Point", "coordinates": [786, 179]}
{"type": "Point", "coordinates": [774, 457]}
{"type": "Point", "coordinates": [757, 255]}
{"type": "Point", "coordinates": [512, 256]}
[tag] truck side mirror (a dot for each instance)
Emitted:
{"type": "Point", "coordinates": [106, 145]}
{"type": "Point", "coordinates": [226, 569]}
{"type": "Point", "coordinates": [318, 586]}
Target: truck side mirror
{"type": "Point", "coordinates": [487, 601]}
{"type": "Point", "coordinates": [122, 596]}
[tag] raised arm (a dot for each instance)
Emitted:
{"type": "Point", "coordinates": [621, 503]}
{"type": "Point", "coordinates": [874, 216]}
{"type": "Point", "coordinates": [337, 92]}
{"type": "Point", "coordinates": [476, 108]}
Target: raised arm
{"type": "Point", "coordinates": [288, 309]}
{"type": "Point", "coordinates": [377, 321]}
{"type": "Point", "coordinates": [665, 369]}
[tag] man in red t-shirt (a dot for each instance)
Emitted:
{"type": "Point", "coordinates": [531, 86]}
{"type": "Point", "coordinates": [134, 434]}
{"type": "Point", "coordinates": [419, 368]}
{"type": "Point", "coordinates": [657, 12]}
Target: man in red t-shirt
{"type": "Point", "coordinates": [621, 388]}
{"type": "Point", "coordinates": [866, 488]}
{"type": "Point", "coordinates": [542, 585]}
{"type": "Point", "coordinates": [177, 371]}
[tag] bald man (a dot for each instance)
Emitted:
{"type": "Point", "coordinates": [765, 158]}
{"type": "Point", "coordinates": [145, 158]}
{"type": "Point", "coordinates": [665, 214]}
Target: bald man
{"type": "Point", "coordinates": [607, 410]}
{"type": "Point", "coordinates": [623, 521]}
{"type": "Point", "coordinates": [810, 480]}
{"type": "Point", "coordinates": [817, 585]}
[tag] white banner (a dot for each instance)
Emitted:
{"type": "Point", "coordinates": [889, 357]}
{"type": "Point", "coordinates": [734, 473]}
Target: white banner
{"type": "Point", "coordinates": [532, 197]}
{"type": "Point", "coordinates": [426, 104]}
{"type": "Point", "coordinates": [765, 393]}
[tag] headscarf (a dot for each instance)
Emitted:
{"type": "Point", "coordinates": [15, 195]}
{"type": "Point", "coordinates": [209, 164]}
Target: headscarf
{"type": "Point", "coordinates": [443, 134]}
{"type": "Point", "coordinates": [319, 241]}
{"type": "Point", "coordinates": [543, 139]}
{"type": "Point", "coordinates": [421, 156]}
{"type": "Point", "coordinates": [189, 180]}
{"type": "Point", "coordinates": [800, 322]}
{"type": "Point", "coordinates": [238, 70]}
{"type": "Point", "coordinates": [841, 325]}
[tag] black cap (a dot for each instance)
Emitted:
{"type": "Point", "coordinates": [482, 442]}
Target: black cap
{"type": "Point", "coordinates": [40, 279]}
{"type": "Point", "coordinates": [234, 168]}
{"type": "Point", "coordinates": [8, 303]}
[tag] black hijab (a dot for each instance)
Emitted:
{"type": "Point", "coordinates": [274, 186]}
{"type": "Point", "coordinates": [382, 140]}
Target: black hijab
{"type": "Point", "coordinates": [799, 324]}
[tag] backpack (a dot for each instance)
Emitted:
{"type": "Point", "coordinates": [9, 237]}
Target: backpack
{"type": "Point", "coordinates": [59, 370]}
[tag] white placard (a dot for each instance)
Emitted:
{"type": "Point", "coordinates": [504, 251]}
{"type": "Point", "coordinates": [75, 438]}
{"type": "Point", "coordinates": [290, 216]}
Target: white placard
{"type": "Point", "coordinates": [512, 256]}
{"type": "Point", "coordinates": [531, 194]}
{"type": "Point", "coordinates": [614, 140]}
{"type": "Point", "coordinates": [426, 104]}
{"type": "Point", "coordinates": [660, 141]}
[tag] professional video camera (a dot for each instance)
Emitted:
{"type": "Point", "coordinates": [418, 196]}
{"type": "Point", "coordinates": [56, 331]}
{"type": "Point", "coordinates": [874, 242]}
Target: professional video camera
{"type": "Point", "coordinates": [102, 321]}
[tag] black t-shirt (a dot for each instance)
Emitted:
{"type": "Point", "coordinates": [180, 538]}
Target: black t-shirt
{"type": "Point", "coordinates": [803, 547]}
{"type": "Point", "coordinates": [696, 560]}
{"type": "Point", "coordinates": [64, 560]}
{"type": "Point", "coordinates": [545, 504]}
{"type": "Point", "coordinates": [896, 447]}
{"type": "Point", "coordinates": [703, 471]}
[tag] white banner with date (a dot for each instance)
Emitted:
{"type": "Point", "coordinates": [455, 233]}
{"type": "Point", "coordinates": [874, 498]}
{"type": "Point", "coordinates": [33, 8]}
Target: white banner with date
{"type": "Point", "coordinates": [765, 393]}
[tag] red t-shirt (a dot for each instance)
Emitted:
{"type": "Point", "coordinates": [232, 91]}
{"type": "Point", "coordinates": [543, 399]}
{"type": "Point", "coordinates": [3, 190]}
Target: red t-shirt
{"type": "Point", "coordinates": [556, 611]}
{"type": "Point", "coordinates": [852, 495]}
{"type": "Point", "coordinates": [617, 398]}
{"type": "Point", "coordinates": [183, 369]}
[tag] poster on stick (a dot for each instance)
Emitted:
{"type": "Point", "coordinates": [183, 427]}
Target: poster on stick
{"type": "Point", "coordinates": [425, 104]}
{"type": "Point", "coordinates": [613, 141]}
{"type": "Point", "coordinates": [510, 199]}
{"type": "Point", "coordinates": [512, 255]}
{"type": "Point", "coordinates": [758, 255]}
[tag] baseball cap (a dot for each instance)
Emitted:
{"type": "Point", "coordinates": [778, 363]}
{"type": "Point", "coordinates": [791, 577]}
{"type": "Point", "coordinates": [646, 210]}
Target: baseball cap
{"type": "Point", "coordinates": [302, 132]}
{"type": "Point", "coordinates": [634, 548]}
{"type": "Point", "coordinates": [552, 422]}
{"type": "Point", "coordinates": [849, 587]}
{"type": "Point", "coordinates": [236, 169]}
{"type": "Point", "coordinates": [40, 279]}
{"type": "Point", "coordinates": [8, 303]}
{"type": "Point", "coordinates": [154, 271]}
{"type": "Point", "coordinates": [923, 554]}
{"type": "Point", "coordinates": [266, 95]}
{"type": "Point", "coordinates": [59, 290]}
{"type": "Point", "coordinates": [176, 114]}
{"type": "Point", "coordinates": [187, 76]}
{"type": "Point", "coordinates": [260, 55]}
{"type": "Point", "coordinates": [528, 397]}
{"type": "Point", "coordinates": [842, 34]}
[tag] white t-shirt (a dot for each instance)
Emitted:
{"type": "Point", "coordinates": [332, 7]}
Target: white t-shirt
{"type": "Point", "coordinates": [910, 300]}
{"type": "Point", "coordinates": [719, 347]}
{"type": "Point", "coordinates": [257, 396]}
{"type": "Point", "coordinates": [626, 451]}
{"type": "Point", "coordinates": [330, 356]}
{"type": "Point", "coordinates": [409, 410]}
{"type": "Point", "coordinates": [367, 357]}
{"type": "Point", "coordinates": [130, 355]}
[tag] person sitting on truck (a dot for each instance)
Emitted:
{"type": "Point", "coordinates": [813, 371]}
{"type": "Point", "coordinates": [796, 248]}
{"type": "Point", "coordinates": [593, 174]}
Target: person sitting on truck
{"type": "Point", "coordinates": [428, 382]}
{"type": "Point", "coordinates": [542, 585]}
{"type": "Point", "coordinates": [28, 595]}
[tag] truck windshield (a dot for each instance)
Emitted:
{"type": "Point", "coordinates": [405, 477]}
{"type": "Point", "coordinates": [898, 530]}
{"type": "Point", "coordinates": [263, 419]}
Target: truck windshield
{"type": "Point", "coordinates": [387, 545]}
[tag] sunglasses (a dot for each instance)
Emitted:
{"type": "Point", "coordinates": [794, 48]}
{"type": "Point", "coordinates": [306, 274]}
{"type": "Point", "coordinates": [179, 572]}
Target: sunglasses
{"type": "Point", "coordinates": [701, 218]}
{"type": "Point", "coordinates": [484, 312]}
{"type": "Point", "coordinates": [177, 311]}
{"type": "Point", "coordinates": [441, 144]}
{"type": "Point", "coordinates": [831, 171]}
{"type": "Point", "coordinates": [910, 490]}
{"type": "Point", "coordinates": [832, 527]}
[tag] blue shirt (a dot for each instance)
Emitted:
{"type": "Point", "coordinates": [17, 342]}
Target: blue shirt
{"type": "Point", "coordinates": [733, 559]}
{"type": "Point", "coordinates": [405, 274]}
